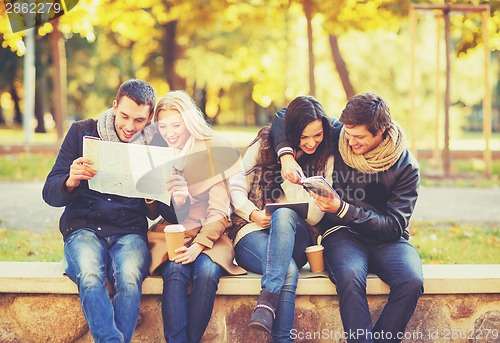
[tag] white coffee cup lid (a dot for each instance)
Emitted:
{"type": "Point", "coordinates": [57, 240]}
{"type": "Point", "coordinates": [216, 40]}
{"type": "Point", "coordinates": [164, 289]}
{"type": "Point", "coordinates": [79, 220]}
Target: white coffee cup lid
{"type": "Point", "coordinates": [313, 248]}
{"type": "Point", "coordinates": [174, 228]}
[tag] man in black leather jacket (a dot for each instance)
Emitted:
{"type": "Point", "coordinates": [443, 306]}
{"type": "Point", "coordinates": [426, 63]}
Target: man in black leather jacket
{"type": "Point", "coordinates": [365, 225]}
{"type": "Point", "coordinates": [104, 234]}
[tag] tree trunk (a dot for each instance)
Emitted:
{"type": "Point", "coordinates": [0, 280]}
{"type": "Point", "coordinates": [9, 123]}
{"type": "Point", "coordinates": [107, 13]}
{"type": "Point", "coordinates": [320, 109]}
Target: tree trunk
{"type": "Point", "coordinates": [341, 67]}
{"type": "Point", "coordinates": [58, 49]}
{"type": "Point", "coordinates": [18, 115]}
{"type": "Point", "coordinates": [170, 52]}
{"type": "Point", "coordinates": [200, 99]}
{"type": "Point", "coordinates": [40, 93]}
{"type": "Point", "coordinates": [307, 10]}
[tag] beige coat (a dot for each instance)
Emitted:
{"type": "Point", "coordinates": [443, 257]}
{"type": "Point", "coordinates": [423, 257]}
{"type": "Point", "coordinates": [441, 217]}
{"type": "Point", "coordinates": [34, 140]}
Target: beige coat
{"type": "Point", "coordinates": [207, 219]}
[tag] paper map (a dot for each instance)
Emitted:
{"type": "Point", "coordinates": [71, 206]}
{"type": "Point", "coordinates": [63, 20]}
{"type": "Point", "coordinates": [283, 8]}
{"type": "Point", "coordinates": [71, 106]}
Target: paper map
{"type": "Point", "coordinates": [131, 170]}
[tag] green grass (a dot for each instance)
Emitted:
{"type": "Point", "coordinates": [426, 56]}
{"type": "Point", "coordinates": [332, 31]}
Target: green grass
{"type": "Point", "coordinates": [26, 246]}
{"type": "Point", "coordinates": [35, 167]}
{"type": "Point", "coordinates": [465, 173]}
{"type": "Point", "coordinates": [469, 167]}
{"type": "Point", "coordinates": [462, 182]}
{"type": "Point", "coordinates": [25, 166]}
{"type": "Point", "coordinates": [477, 135]}
{"type": "Point", "coordinates": [450, 243]}
{"type": "Point", "coordinates": [15, 136]}
{"type": "Point", "coordinates": [437, 243]}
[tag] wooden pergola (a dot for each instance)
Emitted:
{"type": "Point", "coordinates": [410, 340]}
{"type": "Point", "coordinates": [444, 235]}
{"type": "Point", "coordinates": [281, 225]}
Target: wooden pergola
{"type": "Point", "coordinates": [445, 11]}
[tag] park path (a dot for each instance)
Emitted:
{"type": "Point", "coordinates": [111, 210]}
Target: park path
{"type": "Point", "coordinates": [22, 206]}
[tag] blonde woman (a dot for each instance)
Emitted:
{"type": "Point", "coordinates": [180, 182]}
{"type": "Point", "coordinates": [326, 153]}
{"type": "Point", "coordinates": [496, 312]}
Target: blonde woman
{"type": "Point", "coordinates": [200, 202]}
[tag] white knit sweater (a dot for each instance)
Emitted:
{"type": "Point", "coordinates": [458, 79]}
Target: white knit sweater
{"type": "Point", "coordinates": [240, 188]}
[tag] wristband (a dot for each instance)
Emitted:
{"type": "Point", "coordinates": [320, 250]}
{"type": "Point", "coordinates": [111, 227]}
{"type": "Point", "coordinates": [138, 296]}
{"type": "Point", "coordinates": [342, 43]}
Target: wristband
{"type": "Point", "coordinates": [285, 151]}
{"type": "Point", "coordinates": [341, 212]}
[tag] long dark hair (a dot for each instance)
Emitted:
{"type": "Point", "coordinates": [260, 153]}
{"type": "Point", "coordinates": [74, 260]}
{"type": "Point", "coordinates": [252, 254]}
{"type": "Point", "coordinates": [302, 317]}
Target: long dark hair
{"type": "Point", "coordinates": [267, 164]}
{"type": "Point", "coordinates": [302, 111]}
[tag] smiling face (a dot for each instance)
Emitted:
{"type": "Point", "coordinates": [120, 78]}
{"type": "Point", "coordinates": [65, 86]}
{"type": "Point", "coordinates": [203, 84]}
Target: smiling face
{"type": "Point", "coordinates": [311, 137]}
{"type": "Point", "coordinates": [130, 118]}
{"type": "Point", "coordinates": [172, 128]}
{"type": "Point", "coordinates": [361, 140]}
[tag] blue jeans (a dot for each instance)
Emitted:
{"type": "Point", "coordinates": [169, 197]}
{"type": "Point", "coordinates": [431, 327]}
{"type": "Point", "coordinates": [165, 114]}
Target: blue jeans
{"type": "Point", "coordinates": [277, 254]}
{"type": "Point", "coordinates": [349, 259]}
{"type": "Point", "coordinates": [123, 260]}
{"type": "Point", "coordinates": [183, 320]}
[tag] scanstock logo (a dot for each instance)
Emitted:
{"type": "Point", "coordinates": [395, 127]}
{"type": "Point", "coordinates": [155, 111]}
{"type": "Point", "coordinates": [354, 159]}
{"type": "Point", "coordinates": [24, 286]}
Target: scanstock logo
{"type": "Point", "coordinates": [26, 14]}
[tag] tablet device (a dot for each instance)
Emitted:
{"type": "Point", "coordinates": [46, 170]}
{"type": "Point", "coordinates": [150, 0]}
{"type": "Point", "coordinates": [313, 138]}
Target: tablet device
{"type": "Point", "coordinates": [300, 207]}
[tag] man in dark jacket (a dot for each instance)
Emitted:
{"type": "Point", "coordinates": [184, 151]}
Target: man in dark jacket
{"type": "Point", "coordinates": [104, 234]}
{"type": "Point", "coordinates": [365, 225]}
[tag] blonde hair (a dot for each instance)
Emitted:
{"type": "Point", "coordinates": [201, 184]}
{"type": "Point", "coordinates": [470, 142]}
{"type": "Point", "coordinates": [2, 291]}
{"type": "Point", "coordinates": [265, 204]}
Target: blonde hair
{"type": "Point", "coordinates": [181, 102]}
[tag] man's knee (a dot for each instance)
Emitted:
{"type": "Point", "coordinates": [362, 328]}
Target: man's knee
{"type": "Point", "coordinates": [91, 280]}
{"type": "Point", "coordinates": [349, 278]}
{"type": "Point", "coordinates": [414, 284]}
{"type": "Point", "coordinates": [130, 275]}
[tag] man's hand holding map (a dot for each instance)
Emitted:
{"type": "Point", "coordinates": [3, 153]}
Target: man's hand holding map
{"type": "Point", "coordinates": [132, 170]}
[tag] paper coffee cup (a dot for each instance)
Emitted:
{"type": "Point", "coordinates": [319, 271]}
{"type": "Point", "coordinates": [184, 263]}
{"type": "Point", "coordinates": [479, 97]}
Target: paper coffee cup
{"type": "Point", "coordinates": [174, 237]}
{"type": "Point", "coordinates": [314, 255]}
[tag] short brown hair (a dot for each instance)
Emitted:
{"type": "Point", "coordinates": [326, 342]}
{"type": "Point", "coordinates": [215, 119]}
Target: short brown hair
{"type": "Point", "coordinates": [141, 92]}
{"type": "Point", "coordinates": [367, 109]}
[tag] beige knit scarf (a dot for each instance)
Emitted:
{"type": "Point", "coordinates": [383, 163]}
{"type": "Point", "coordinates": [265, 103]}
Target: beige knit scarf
{"type": "Point", "coordinates": [379, 159]}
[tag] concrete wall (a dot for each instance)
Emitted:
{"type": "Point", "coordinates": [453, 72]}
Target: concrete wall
{"type": "Point", "coordinates": [438, 318]}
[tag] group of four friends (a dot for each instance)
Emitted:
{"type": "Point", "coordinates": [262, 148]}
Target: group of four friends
{"type": "Point", "coordinates": [364, 228]}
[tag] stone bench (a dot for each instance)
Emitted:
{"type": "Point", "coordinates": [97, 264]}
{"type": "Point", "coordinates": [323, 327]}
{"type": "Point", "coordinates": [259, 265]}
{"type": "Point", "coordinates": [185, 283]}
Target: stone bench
{"type": "Point", "coordinates": [49, 278]}
{"type": "Point", "coordinates": [461, 303]}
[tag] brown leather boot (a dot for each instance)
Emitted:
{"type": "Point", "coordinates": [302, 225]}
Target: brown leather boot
{"type": "Point", "coordinates": [264, 312]}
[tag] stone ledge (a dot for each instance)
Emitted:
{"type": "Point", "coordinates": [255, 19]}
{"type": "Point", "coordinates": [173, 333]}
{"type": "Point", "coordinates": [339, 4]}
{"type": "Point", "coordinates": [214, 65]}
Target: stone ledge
{"type": "Point", "coordinates": [48, 278]}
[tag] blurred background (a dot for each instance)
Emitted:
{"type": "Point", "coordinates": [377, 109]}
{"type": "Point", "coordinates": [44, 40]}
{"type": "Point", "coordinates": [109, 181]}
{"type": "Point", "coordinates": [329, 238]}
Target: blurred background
{"type": "Point", "coordinates": [243, 60]}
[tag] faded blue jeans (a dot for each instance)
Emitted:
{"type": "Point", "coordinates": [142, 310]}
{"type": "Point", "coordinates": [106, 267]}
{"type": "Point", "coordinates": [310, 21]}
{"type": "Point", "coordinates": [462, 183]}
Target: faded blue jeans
{"type": "Point", "coordinates": [123, 260]}
{"type": "Point", "coordinates": [186, 320]}
{"type": "Point", "coordinates": [349, 259]}
{"type": "Point", "coordinates": [277, 254]}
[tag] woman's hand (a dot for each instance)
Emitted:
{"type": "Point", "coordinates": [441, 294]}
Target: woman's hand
{"type": "Point", "coordinates": [188, 255]}
{"type": "Point", "coordinates": [178, 189]}
{"type": "Point", "coordinates": [290, 169]}
{"type": "Point", "coordinates": [261, 218]}
{"type": "Point", "coordinates": [79, 170]}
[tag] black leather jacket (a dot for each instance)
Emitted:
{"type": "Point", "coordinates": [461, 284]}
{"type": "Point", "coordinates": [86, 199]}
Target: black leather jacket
{"type": "Point", "coordinates": [105, 214]}
{"type": "Point", "coordinates": [379, 205]}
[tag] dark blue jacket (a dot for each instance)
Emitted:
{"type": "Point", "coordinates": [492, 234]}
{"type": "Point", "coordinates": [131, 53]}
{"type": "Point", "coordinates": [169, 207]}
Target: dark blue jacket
{"type": "Point", "coordinates": [380, 204]}
{"type": "Point", "coordinates": [106, 214]}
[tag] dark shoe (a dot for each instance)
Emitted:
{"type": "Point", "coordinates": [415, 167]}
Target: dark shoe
{"type": "Point", "coordinates": [264, 312]}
